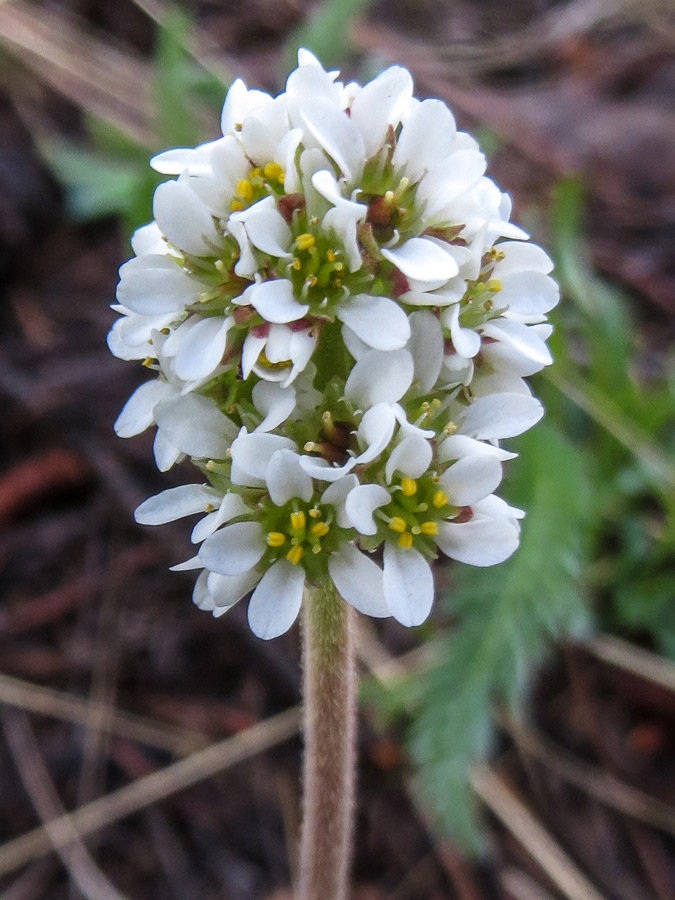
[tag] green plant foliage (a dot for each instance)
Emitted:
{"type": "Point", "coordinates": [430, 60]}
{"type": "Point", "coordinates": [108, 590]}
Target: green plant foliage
{"type": "Point", "coordinates": [325, 32]}
{"type": "Point", "coordinates": [507, 616]}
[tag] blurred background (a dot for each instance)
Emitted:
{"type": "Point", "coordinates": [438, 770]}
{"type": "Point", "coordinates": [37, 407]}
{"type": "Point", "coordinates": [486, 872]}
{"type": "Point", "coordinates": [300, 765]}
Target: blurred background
{"type": "Point", "coordinates": [517, 746]}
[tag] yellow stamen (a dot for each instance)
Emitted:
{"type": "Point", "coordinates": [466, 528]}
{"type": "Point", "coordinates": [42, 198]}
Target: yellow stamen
{"type": "Point", "coordinates": [429, 527]}
{"type": "Point", "coordinates": [305, 241]}
{"type": "Point", "coordinates": [494, 284]}
{"type": "Point", "coordinates": [330, 255]}
{"type": "Point", "coordinates": [405, 540]}
{"type": "Point", "coordinates": [298, 520]}
{"type": "Point", "coordinates": [276, 539]}
{"type": "Point", "coordinates": [320, 529]}
{"type": "Point", "coordinates": [315, 513]}
{"type": "Point", "coordinates": [273, 172]}
{"type": "Point", "coordinates": [396, 523]}
{"type": "Point", "coordinates": [148, 361]}
{"type": "Point", "coordinates": [256, 172]}
{"type": "Point", "coordinates": [440, 499]}
{"type": "Point", "coordinates": [209, 508]}
{"type": "Point", "coordinates": [408, 486]}
{"type": "Point", "coordinates": [450, 428]}
{"type": "Point", "coordinates": [294, 555]}
{"type": "Point", "coordinates": [210, 465]}
{"type": "Point", "coordinates": [244, 189]}
{"type": "Point", "coordinates": [310, 281]}
{"type": "Point", "coordinates": [236, 205]}
{"type": "Point", "coordinates": [297, 265]}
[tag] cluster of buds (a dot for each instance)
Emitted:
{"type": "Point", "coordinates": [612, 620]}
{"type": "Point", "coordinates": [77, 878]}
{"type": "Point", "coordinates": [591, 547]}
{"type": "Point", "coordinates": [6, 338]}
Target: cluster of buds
{"type": "Point", "coordinates": [340, 317]}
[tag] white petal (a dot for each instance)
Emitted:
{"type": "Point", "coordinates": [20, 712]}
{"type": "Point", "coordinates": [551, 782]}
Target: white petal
{"type": "Point", "coordinates": [231, 507]}
{"type": "Point", "coordinates": [360, 504]}
{"type": "Point", "coordinates": [520, 256]}
{"type": "Point", "coordinates": [358, 581]}
{"type": "Point", "coordinates": [148, 240]}
{"type": "Point", "coordinates": [465, 340]}
{"type": "Point", "coordinates": [426, 345]}
{"type": "Point", "coordinates": [336, 495]}
{"type": "Point", "coordinates": [138, 412]}
{"type": "Point", "coordinates": [278, 347]}
{"type": "Point", "coordinates": [528, 293]}
{"type": "Point", "coordinates": [226, 590]}
{"type": "Point", "coordinates": [423, 260]}
{"type": "Point", "coordinates": [379, 104]}
{"type": "Point", "coordinates": [166, 454]}
{"type": "Point", "coordinates": [378, 321]}
{"type": "Point", "coordinates": [274, 403]}
{"type": "Point", "coordinates": [275, 302]}
{"type": "Point", "coordinates": [286, 479]}
{"type": "Point", "coordinates": [238, 103]}
{"type": "Point", "coordinates": [155, 285]}
{"type": "Point", "coordinates": [250, 352]}
{"type": "Point", "coordinates": [201, 351]}
{"type": "Point", "coordinates": [501, 416]}
{"type": "Point", "coordinates": [380, 377]}
{"type": "Point", "coordinates": [175, 503]}
{"type": "Point", "coordinates": [426, 138]}
{"type": "Point", "coordinates": [521, 338]}
{"type": "Point", "coordinates": [189, 565]}
{"type": "Point", "coordinates": [302, 347]}
{"type": "Point", "coordinates": [376, 430]}
{"type": "Point", "coordinates": [182, 217]}
{"type": "Point", "coordinates": [335, 133]}
{"type": "Point", "coordinates": [196, 426]}
{"type": "Point", "coordinates": [412, 457]}
{"type": "Point", "coordinates": [234, 549]}
{"type": "Point", "coordinates": [480, 542]}
{"type": "Point", "coordinates": [251, 453]}
{"type": "Point", "coordinates": [457, 446]}
{"type": "Point", "coordinates": [266, 227]}
{"type": "Point", "coordinates": [276, 601]}
{"type": "Point", "coordinates": [408, 584]}
{"type": "Point", "coordinates": [440, 187]}
{"type": "Point", "coordinates": [323, 470]}
{"type": "Point", "coordinates": [471, 478]}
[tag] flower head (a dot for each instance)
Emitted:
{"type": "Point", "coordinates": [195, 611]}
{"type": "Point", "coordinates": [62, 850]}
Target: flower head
{"type": "Point", "coordinates": [340, 316]}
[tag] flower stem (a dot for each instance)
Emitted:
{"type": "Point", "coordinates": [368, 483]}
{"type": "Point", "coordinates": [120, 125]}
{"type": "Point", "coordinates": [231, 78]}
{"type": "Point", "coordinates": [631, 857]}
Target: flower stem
{"type": "Point", "coordinates": [330, 731]}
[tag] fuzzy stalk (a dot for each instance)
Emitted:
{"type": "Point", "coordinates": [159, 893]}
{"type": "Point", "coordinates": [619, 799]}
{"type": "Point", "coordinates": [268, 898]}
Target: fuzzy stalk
{"type": "Point", "coordinates": [329, 679]}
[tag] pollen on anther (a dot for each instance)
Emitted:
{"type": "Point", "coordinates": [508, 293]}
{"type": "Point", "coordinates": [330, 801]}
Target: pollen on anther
{"type": "Point", "coordinates": [305, 241]}
{"type": "Point", "coordinates": [408, 486]}
{"type": "Point", "coordinates": [276, 539]}
{"type": "Point", "coordinates": [429, 527]}
{"type": "Point", "coordinates": [440, 499]}
{"type": "Point", "coordinates": [405, 540]}
{"type": "Point", "coordinates": [314, 513]}
{"type": "Point", "coordinates": [320, 529]}
{"type": "Point", "coordinates": [298, 520]}
{"type": "Point", "coordinates": [295, 554]}
{"type": "Point", "coordinates": [396, 523]}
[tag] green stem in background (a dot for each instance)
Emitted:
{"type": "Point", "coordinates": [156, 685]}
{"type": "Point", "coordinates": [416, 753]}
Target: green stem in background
{"type": "Point", "coordinates": [329, 679]}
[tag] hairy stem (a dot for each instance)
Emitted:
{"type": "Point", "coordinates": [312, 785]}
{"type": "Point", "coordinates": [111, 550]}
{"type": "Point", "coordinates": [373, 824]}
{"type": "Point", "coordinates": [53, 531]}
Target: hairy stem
{"type": "Point", "coordinates": [330, 731]}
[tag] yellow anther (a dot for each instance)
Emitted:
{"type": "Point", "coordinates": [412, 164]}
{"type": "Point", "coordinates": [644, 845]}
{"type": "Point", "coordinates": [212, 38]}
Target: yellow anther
{"type": "Point", "coordinates": [298, 520]}
{"type": "Point", "coordinates": [405, 540]}
{"type": "Point", "coordinates": [315, 513]}
{"type": "Point", "coordinates": [276, 539]}
{"type": "Point", "coordinates": [320, 529]}
{"type": "Point", "coordinates": [494, 284]}
{"type": "Point", "coordinates": [436, 402]}
{"type": "Point", "coordinates": [256, 172]}
{"type": "Point", "coordinates": [330, 255]}
{"type": "Point", "coordinates": [425, 406]}
{"type": "Point", "coordinates": [297, 265]}
{"type": "Point", "coordinates": [305, 241]}
{"type": "Point", "coordinates": [440, 499]}
{"type": "Point", "coordinates": [450, 428]}
{"type": "Point", "coordinates": [209, 508]}
{"type": "Point", "coordinates": [236, 205]}
{"type": "Point", "coordinates": [244, 189]}
{"type": "Point", "coordinates": [389, 197]}
{"type": "Point", "coordinates": [396, 523]}
{"type": "Point", "coordinates": [148, 361]}
{"type": "Point", "coordinates": [210, 465]}
{"type": "Point", "coordinates": [165, 330]}
{"type": "Point", "coordinates": [219, 265]}
{"type": "Point", "coordinates": [316, 548]}
{"type": "Point", "coordinates": [429, 527]}
{"type": "Point", "coordinates": [273, 172]}
{"type": "Point", "coordinates": [408, 486]}
{"type": "Point", "coordinates": [294, 555]}
{"type": "Point", "coordinates": [310, 281]}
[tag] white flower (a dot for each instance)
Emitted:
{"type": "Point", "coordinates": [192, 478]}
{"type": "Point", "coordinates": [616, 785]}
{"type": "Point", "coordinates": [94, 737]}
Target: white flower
{"type": "Point", "coordinates": [340, 318]}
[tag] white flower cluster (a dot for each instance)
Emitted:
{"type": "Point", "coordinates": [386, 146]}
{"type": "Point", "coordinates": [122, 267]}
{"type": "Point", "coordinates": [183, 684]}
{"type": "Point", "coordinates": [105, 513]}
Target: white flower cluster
{"type": "Point", "coordinates": [340, 316]}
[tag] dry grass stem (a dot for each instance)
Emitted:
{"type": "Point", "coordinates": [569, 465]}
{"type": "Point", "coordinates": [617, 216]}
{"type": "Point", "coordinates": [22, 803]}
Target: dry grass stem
{"type": "Point", "coordinates": [548, 854]}
{"type": "Point", "coordinates": [74, 855]}
{"type": "Point", "coordinates": [520, 886]}
{"type": "Point", "coordinates": [142, 793]}
{"type": "Point", "coordinates": [48, 702]}
{"type": "Point", "coordinates": [622, 655]}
